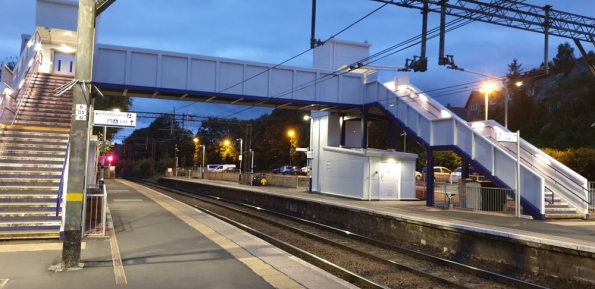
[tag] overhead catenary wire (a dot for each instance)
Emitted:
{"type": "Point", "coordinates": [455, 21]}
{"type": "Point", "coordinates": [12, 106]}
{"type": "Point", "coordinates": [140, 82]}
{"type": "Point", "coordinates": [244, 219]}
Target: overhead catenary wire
{"type": "Point", "coordinates": [299, 54]}
{"type": "Point", "coordinates": [357, 64]}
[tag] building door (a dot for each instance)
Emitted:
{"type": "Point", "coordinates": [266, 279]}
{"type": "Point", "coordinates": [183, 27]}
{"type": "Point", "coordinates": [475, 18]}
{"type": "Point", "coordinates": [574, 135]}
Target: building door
{"type": "Point", "coordinates": [389, 181]}
{"type": "Point", "coordinates": [64, 63]}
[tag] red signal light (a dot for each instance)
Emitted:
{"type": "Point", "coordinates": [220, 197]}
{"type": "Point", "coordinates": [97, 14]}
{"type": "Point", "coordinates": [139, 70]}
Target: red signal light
{"type": "Point", "coordinates": [110, 158]}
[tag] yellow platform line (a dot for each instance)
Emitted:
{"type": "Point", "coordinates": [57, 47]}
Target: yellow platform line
{"type": "Point", "coordinates": [273, 276]}
{"type": "Point", "coordinates": [36, 128]}
{"type": "Point", "coordinates": [31, 247]}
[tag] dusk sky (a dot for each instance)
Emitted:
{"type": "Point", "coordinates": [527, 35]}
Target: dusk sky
{"type": "Point", "coordinates": [273, 31]}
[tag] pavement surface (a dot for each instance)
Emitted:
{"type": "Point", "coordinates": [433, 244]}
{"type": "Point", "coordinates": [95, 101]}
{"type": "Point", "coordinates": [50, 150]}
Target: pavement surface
{"type": "Point", "coordinates": [157, 242]}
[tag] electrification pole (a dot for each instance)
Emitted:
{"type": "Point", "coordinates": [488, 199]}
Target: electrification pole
{"type": "Point", "coordinates": [79, 136]}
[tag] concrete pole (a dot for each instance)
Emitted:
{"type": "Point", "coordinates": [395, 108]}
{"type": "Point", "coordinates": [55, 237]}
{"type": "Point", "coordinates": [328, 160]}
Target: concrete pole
{"type": "Point", "coordinates": [79, 146]}
{"type": "Point", "coordinates": [241, 156]}
{"type": "Point", "coordinates": [486, 107]}
{"type": "Point", "coordinates": [102, 174]}
{"type": "Point", "coordinates": [203, 162]}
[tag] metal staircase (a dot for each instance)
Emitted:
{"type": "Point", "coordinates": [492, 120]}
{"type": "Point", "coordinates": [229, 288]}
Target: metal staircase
{"type": "Point", "coordinates": [32, 159]}
{"type": "Point", "coordinates": [549, 189]}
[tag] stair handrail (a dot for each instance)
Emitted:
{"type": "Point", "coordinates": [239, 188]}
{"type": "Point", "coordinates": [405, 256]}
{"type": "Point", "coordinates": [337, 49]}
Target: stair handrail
{"type": "Point", "coordinates": [7, 96]}
{"type": "Point", "coordinates": [32, 57]}
{"type": "Point", "coordinates": [563, 174]}
{"type": "Point", "coordinates": [64, 175]}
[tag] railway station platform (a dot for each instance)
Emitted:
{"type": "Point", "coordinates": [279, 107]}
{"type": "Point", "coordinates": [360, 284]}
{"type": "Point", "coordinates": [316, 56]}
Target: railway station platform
{"type": "Point", "coordinates": [157, 242]}
{"type": "Point", "coordinates": [567, 233]}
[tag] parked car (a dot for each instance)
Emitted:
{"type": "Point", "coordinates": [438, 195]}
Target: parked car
{"type": "Point", "coordinates": [276, 170]}
{"type": "Point", "coordinates": [441, 174]}
{"type": "Point", "coordinates": [304, 171]}
{"type": "Point", "coordinates": [287, 170]}
{"type": "Point", "coordinates": [231, 170]}
{"type": "Point", "coordinates": [457, 174]}
{"type": "Point", "coordinates": [417, 176]}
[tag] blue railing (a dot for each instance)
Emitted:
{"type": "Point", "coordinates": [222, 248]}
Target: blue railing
{"type": "Point", "coordinates": [61, 187]}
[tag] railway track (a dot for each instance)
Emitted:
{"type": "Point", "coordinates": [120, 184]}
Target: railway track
{"type": "Point", "coordinates": [359, 260]}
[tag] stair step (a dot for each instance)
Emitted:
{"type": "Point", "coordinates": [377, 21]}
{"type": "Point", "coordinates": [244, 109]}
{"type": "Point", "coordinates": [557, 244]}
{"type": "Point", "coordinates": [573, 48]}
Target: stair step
{"type": "Point", "coordinates": [33, 133]}
{"type": "Point", "coordinates": [565, 216]}
{"type": "Point", "coordinates": [37, 234]}
{"type": "Point", "coordinates": [556, 205]}
{"type": "Point", "coordinates": [29, 216]}
{"type": "Point", "coordinates": [563, 209]}
{"type": "Point", "coordinates": [30, 206]}
{"type": "Point", "coordinates": [11, 165]}
{"type": "Point", "coordinates": [42, 123]}
{"type": "Point", "coordinates": [22, 139]}
{"type": "Point", "coordinates": [31, 173]}
{"type": "Point", "coordinates": [34, 190]}
{"type": "Point", "coordinates": [40, 224]}
{"type": "Point", "coordinates": [29, 128]}
{"type": "Point", "coordinates": [33, 153]}
{"type": "Point", "coordinates": [58, 146]}
{"type": "Point", "coordinates": [40, 159]}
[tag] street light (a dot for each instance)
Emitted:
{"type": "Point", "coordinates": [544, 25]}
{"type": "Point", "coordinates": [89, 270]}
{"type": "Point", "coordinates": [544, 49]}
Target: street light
{"type": "Point", "coordinates": [241, 153]}
{"type": "Point", "coordinates": [195, 158]}
{"type": "Point", "coordinates": [487, 88]}
{"type": "Point", "coordinates": [290, 133]}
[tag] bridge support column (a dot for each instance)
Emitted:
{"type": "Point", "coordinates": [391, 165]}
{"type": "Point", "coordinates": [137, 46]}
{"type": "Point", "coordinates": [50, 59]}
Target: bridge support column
{"type": "Point", "coordinates": [364, 124]}
{"type": "Point", "coordinates": [430, 178]}
{"type": "Point", "coordinates": [392, 136]}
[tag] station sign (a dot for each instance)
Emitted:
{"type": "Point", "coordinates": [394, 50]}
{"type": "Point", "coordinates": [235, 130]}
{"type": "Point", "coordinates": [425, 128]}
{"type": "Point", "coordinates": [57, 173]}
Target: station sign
{"type": "Point", "coordinates": [114, 118]}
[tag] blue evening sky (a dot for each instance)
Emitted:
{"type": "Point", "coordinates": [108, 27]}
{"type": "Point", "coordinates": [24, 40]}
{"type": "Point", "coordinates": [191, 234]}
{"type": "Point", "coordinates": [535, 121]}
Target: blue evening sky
{"type": "Point", "coordinates": [273, 31]}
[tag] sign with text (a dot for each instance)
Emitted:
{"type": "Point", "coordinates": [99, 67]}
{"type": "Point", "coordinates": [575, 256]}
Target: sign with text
{"type": "Point", "coordinates": [114, 119]}
{"type": "Point", "coordinates": [506, 136]}
{"type": "Point", "coordinates": [81, 112]}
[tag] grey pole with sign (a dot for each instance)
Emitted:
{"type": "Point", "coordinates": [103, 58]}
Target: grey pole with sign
{"type": "Point", "coordinates": [514, 137]}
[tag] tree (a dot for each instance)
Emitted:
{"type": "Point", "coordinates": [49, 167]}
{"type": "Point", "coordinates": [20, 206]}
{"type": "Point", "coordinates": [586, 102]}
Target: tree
{"type": "Point", "coordinates": [10, 62]}
{"type": "Point", "coordinates": [564, 58]}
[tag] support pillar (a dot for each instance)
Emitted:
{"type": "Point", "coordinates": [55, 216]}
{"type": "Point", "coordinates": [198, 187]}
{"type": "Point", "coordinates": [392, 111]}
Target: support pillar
{"type": "Point", "coordinates": [79, 135]}
{"type": "Point", "coordinates": [430, 178]}
{"type": "Point", "coordinates": [364, 124]}
{"type": "Point", "coordinates": [392, 136]}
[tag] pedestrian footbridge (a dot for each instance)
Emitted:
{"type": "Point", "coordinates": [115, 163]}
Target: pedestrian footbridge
{"type": "Point", "coordinates": [547, 187]}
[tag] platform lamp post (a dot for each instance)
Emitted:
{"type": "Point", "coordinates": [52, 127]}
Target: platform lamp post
{"type": "Point", "coordinates": [176, 158]}
{"type": "Point", "coordinates": [487, 89]}
{"type": "Point", "coordinates": [290, 133]}
{"type": "Point", "coordinates": [203, 162]}
{"type": "Point", "coordinates": [241, 153]}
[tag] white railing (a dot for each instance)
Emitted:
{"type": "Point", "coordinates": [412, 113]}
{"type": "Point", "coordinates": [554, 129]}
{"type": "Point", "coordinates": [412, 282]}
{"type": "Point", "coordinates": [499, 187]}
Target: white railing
{"type": "Point", "coordinates": [559, 179]}
{"type": "Point", "coordinates": [22, 73]}
{"type": "Point", "coordinates": [95, 212]}
{"type": "Point", "coordinates": [474, 198]}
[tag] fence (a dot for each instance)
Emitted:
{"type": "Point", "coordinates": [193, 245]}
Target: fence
{"type": "Point", "coordinates": [474, 197]}
{"type": "Point", "coordinates": [95, 212]}
{"type": "Point", "coordinates": [288, 181]}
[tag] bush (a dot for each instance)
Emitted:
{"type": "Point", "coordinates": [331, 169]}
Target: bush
{"type": "Point", "coordinates": [581, 160]}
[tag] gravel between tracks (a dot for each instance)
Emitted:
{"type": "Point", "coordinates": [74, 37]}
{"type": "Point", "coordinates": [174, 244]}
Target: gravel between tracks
{"type": "Point", "coordinates": [385, 274]}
